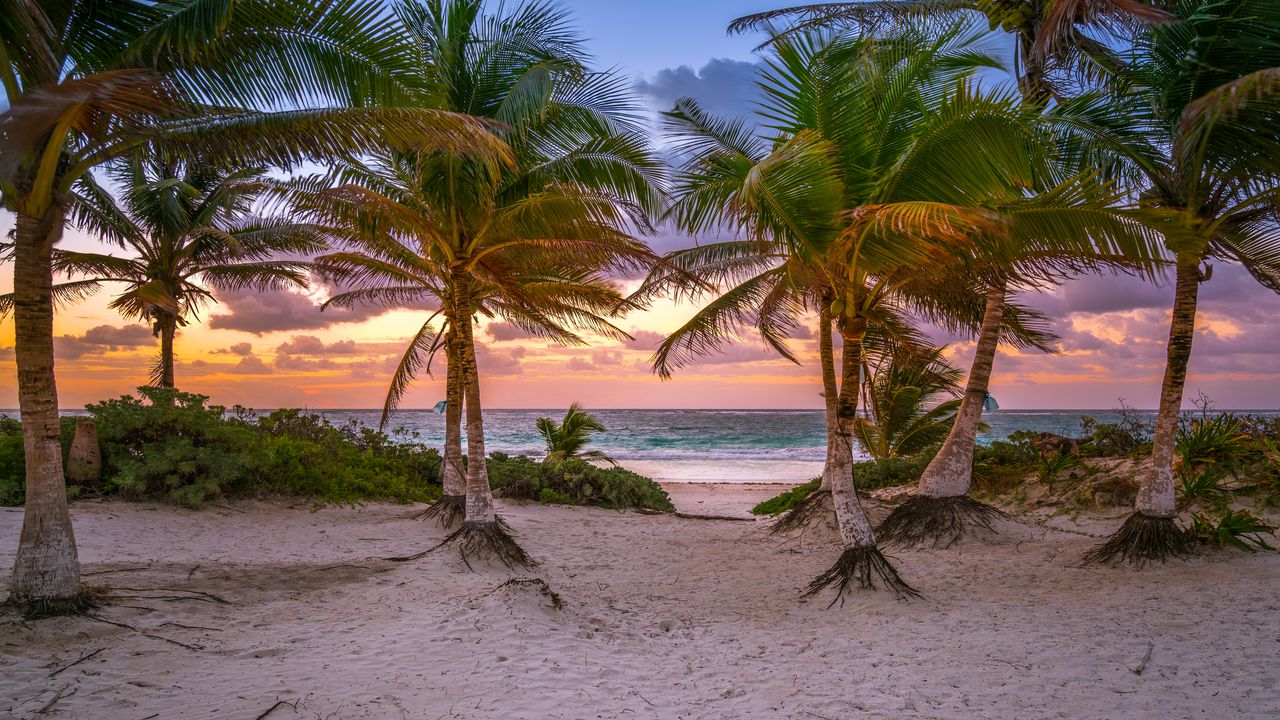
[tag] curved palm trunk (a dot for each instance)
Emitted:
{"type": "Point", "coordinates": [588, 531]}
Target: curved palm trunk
{"type": "Point", "coordinates": [46, 569]}
{"type": "Point", "coordinates": [855, 527]}
{"type": "Point", "coordinates": [941, 511]}
{"type": "Point", "coordinates": [168, 330]}
{"type": "Point", "coordinates": [861, 562]}
{"type": "Point", "coordinates": [1152, 532]}
{"type": "Point", "coordinates": [950, 474]}
{"type": "Point", "coordinates": [1157, 496]}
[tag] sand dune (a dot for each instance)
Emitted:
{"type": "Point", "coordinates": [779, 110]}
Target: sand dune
{"type": "Point", "coordinates": [640, 616]}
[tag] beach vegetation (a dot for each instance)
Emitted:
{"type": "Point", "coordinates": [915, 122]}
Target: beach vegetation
{"type": "Point", "coordinates": [569, 438]}
{"type": "Point", "coordinates": [1232, 528]}
{"type": "Point", "coordinates": [575, 481]}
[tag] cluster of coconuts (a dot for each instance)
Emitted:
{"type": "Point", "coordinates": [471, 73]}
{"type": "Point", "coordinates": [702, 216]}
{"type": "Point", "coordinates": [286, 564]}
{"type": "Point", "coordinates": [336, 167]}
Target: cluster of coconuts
{"type": "Point", "coordinates": [1009, 15]}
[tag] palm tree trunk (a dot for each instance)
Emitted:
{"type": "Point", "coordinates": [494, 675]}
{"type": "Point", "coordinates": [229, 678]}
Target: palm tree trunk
{"type": "Point", "coordinates": [483, 533]}
{"type": "Point", "coordinates": [453, 475]}
{"type": "Point", "coordinates": [168, 329]}
{"type": "Point", "coordinates": [1157, 496]}
{"type": "Point", "coordinates": [860, 563]}
{"type": "Point", "coordinates": [46, 569]}
{"type": "Point", "coordinates": [950, 473]}
{"type": "Point", "coordinates": [826, 355]}
{"type": "Point", "coordinates": [855, 527]}
{"type": "Point", "coordinates": [1152, 532]}
{"type": "Point", "coordinates": [479, 494]}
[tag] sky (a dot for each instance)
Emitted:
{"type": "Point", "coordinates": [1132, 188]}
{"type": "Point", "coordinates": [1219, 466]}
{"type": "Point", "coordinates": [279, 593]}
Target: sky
{"type": "Point", "coordinates": [279, 350]}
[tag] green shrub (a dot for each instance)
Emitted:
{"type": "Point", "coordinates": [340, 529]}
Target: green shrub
{"type": "Point", "coordinates": [174, 446]}
{"type": "Point", "coordinates": [869, 475]}
{"type": "Point", "coordinates": [1238, 529]}
{"type": "Point", "coordinates": [12, 463]}
{"type": "Point", "coordinates": [1221, 440]}
{"type": "Point", "coordinates": [1131, 436]}
{"type": "Point", "coordinates": [781, 503]}
{"type": "Point", "coordinates": [574, 482]}
{"type": "Point", "coordinates": [1050, 467]}
{"type": "Point", "coordinates": [1203, 485]}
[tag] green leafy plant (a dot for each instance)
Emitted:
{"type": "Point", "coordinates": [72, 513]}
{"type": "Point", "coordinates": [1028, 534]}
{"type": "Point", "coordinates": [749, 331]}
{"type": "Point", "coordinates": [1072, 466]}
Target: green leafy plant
{"type": "Point", "coordinates": [574, 482]}
{"type": "Point", "coordinates": [1205, 484]}
{"type": "Point", "coordinates": [569, 438]}
{"type": "Point", "coordinates": [1213, 440]}
{"type": "Point", "coordinates": [1238, 528]}
{"type": "Point", "coordinates": [1051, 466]}
{"type": "Point", "coordinates": [787, 500]}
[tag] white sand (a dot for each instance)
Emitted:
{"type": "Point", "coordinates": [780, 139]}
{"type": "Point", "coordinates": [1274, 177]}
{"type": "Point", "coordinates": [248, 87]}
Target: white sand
{"type": "Point", "coordinates": [663, 618]}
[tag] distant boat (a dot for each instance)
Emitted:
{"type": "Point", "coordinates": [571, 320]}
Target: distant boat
{"type": "Point", "coordinates": [440, 406]}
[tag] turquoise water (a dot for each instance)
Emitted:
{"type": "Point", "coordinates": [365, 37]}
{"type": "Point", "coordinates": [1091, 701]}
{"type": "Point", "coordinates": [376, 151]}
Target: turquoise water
{"type": "Point", "coordinates": [707, 445]}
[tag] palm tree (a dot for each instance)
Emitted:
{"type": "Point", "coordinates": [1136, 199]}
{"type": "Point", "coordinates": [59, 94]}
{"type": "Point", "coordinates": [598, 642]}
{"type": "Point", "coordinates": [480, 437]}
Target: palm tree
{"type": "Point", "coordinates": [1055, 47]}
{"type": "Point", "coordinates": [787, 195]}
{"type": "Point", "coordinates": [86, 83]}
{"type": "Point", "coordinates": [897, 390]}
{"type": "Point", "coordinates": [568, 438]}
{"type": "Point", "coordinates": [190, 228]}
{"type": "Point", "coordinates": [930, 179]}
{"type": "Point", "coordinates": [533, 242]}
{"type": "Point", "coordinates": [1205, 95]}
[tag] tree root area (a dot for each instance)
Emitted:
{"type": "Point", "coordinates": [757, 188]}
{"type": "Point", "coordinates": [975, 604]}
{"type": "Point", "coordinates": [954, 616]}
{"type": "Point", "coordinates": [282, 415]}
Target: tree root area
{"type": "Point", "coordinates": [487, 541]}
{"type": "Point", "coordinates": [862, 567]}
{"type": "Point", "coordinates": [815, 508]}
{"type": "Point", "coordinates": [39, 608]}
{"type": "Point", "coordinates": [1141, 540]}
{"type": "Point", "coordinates": [937, 522]}
{"type": "Point", "coordinates": [446, 511]}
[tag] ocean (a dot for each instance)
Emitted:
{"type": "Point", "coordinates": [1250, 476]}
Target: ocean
{"type": "Point", "coordinates": [707, 445]}
{"type": "Point", "coordinates": [702, 445]}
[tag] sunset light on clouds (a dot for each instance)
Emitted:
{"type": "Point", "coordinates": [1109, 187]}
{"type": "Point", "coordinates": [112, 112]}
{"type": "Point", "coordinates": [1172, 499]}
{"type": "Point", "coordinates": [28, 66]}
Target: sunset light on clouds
{"type": "Point", "coordinates": [278, 349]}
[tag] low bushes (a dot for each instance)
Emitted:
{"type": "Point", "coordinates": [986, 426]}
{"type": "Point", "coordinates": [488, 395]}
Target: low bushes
{"type": "Point", "coordinates": [869, 475]}
{"type": "Point", "coordinates": [173, 446]}
{"type": "Point", "coordinates": [574, 482]}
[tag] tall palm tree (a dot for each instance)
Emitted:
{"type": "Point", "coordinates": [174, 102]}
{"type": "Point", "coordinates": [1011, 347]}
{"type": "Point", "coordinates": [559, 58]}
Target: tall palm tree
{"type": "Point", "coordinates": [88, 82]}
{"type": "Point", "coordinates": [929, 180]}
{"type": "Point", "coordinates": [1055, 47]}
{"type": "Point", "coordinates": [1205, 93]}
{"type": "Point", "coordinates": [532, 242]}
{"type": "Point", "coordinates": [568, 438]}
{"type": "Point", "coordinates": [899, 421]}
{"type": "Point", "coordinates": [818, 226]}
{"type": "Point", "coordinates": [190, 228]}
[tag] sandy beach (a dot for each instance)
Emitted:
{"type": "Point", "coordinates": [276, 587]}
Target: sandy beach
{"type": "Point", "coordinates": [232, 609]}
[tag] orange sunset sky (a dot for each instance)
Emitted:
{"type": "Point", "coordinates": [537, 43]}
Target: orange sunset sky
{"type": "Point", "coordinates": [278, 349]}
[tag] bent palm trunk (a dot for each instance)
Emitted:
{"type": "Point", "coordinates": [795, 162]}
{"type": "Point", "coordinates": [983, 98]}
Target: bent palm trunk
{"type": "Point", "coordinates": [46, 568]}
{"type": "Point", "coordinates": [1152, 532]}
{"type": "Point", "coordinates": [482, 534]}
{"type": "Point", "coordinates": [941, 510]}
{"type": "Point", "coordinates": [861, 562]}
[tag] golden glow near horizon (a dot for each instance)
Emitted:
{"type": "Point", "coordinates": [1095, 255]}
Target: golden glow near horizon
{"type": "Point", "coordinates": [1105, 356]}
